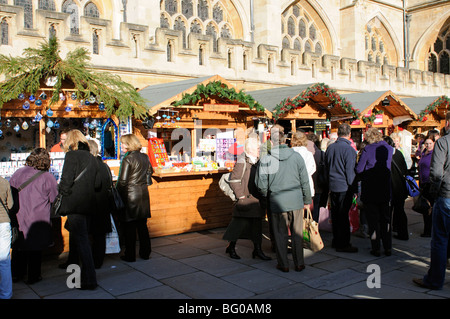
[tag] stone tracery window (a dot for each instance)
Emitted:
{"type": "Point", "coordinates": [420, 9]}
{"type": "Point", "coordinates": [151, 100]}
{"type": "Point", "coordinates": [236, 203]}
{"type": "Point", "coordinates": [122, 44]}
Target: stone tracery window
{"type": "Point", "coordinates": [69, 6]}
{"type": "Point", "coordinates": [374, 46]}
{"type": "Point", "coordinates": [47, 5]}
{"type": "Point", "coordinates": [4, 32]}
{"type": "Point", "coordinates": [27, 11]}
{"type": "Point", "coordinates": [300, 31]}
{"type": "Point", "coordinates": [208, 17]}
{"type": "Point", "coordinates": [439, 52]}
{"type": "Point", "coordinates": [91, 10]}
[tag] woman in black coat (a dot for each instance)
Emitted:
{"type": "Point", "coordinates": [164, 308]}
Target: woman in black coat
{"type": "Point", "coordinates": [246, 222]}
{"type": "Point", "coordinates": [79, 181]}
{"type": "Point", "coordinates": [101, 221]}
{"type": "Point", "coordinates": [132, 187]}
{"type": "Point", "coordinates": [399, 192]}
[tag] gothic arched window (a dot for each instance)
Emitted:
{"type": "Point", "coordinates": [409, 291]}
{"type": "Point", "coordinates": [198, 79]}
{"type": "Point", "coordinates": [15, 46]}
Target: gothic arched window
{"type": "Point", "coordinates": [187, 8]}
{"type": "Point", "coordinates": [4, 29]}
{"type": "Point", "coordinates": [27, 11]}
{"type": "Point", "coordinates": [439, 53]}
{"type": "Point", "coordinates": [181, 26]}
{"type": "Point", "coordinates": [48, 5]}
{"type": "Point", "coordinates": [91, 10]}
{"type": "Point", "coordinates": [171, 6]}
{"type": "Point", "coordinates": [95, 43]}
{"type": "Point", "coordinates": [202, 10]}
{"type": "Point", "coordinates": [69, 6]}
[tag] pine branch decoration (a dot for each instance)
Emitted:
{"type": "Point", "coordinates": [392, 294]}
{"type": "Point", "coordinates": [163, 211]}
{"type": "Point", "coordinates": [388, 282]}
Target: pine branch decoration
{"type": "Point", "coordinates": [25, 75]}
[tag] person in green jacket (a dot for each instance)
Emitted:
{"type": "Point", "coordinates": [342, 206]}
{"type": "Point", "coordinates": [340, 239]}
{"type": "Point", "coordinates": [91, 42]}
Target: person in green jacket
{"type": "Point", "coordinates": [282, 178]}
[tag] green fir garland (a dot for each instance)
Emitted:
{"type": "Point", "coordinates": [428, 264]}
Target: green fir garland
{"type": "Point", "coordinates": [372, 117]}
{"type": "Point", "coordinates": [319, 88]}
{"type": "Point", "coordinates": [26, 74]}
{"type": "Point", "coordinates": [221, 90]}
{"type": "Point", "coordinates": [423, 116]}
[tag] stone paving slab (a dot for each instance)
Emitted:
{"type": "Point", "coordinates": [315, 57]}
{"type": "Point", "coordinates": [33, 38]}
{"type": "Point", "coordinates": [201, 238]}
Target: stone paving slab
{"type": "Point", "coordinates": [258, 281]}
{"type": "Point", "coordinates": [200, 285]}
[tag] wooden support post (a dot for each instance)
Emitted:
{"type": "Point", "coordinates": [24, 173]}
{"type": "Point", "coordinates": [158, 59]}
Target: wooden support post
{"type": "Point", "coordinates": [42, 132]}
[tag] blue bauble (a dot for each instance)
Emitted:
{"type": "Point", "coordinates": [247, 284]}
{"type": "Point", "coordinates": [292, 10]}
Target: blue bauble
{"type": "Point", "coordinates": [49, 112]}
{"type": "Point", "coordinates": [32, 98]}
{"type": "Point", "coordinates": [26, 105]}
{"type": "Point", "coordinates": [38, 102]}
{"type": "Point", "coordinates": [50, 123]}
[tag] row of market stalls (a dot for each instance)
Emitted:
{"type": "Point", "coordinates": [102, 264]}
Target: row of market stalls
{"type": "Point", "coordinates": [193, 131]}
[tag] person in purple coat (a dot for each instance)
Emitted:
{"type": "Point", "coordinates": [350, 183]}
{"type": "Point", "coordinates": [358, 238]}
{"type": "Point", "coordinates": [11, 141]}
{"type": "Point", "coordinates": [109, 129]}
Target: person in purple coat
{"type": "Point", "coordinates": [424, 180]}
{"type": "Point", "coordinates": [374, 169]}
{"type": "Point", "coordinates": [33, 215]}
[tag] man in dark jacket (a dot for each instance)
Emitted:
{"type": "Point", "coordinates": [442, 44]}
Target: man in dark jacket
{"type": "Point", "coordinates": [440, 190]}
{"type": "Point", "coordinates": [340, 160]}
{"type": "Point", "coordinates": [282, 177]}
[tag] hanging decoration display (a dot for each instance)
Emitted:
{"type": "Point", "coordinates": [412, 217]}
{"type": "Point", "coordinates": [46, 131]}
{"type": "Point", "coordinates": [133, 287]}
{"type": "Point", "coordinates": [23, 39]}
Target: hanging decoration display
{"type": "Point", "coordinates": [169, 119]}
{"type": "Point", "coordinates": [441, 101]}
{"type": "Point", "coordinates": [319, 88]}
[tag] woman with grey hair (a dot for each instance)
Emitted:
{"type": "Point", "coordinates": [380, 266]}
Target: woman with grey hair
{"type": "Point", "coordinates": [248, 211]}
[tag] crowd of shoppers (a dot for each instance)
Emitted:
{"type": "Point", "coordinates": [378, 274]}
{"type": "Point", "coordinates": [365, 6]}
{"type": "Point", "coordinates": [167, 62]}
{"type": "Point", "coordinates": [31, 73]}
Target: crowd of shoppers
{"type": "Point", "coordinates": [277, 180]}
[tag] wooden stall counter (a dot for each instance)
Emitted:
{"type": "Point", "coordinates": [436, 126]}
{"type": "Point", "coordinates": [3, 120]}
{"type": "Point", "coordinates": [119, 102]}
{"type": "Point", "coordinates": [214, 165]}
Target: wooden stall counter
{"type": "Point", "coordinates": [187, 201]}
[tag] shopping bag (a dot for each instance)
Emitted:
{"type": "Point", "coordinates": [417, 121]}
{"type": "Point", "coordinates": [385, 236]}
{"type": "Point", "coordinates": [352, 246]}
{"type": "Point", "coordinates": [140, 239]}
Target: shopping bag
{"type": "Point", "coordinates": [311, 236]}
{"type": "Point", "coordinates": [353, 216]}
{"type": "Point", "coordinates": [325, 219]}
{"type": "Point", "coordinates": [112, 240]}
{"type": "Point", "coordinates": [421, 205]}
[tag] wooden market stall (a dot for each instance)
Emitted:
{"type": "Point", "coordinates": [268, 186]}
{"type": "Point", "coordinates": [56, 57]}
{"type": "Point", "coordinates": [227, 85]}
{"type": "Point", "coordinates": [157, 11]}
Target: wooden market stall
{"type": "Point", "coordinates": [430, 110]}
{"type": "Point", "coordinates": [384, 110]}
{"type": "Point", "coordinates": [193, 123]}
{"type": "Point", "coordinates": [314, 107]}
{"type": "Point", "coordinates": [43, 94]}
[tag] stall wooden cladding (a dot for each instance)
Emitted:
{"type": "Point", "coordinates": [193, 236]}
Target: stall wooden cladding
{"type": "Point", "coordinates": [187, 203]}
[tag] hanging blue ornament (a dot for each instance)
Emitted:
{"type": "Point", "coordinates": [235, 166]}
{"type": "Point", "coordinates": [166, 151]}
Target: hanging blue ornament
{"type": "Point", "coordinates": [86, 124]}
{"type": "Point", "coordinates": [25, 125]}
{"type": "Point", "coordinates": [26, 105]}
{"type": "Point", "coordinates": [164, 115]}
{"type": "Point", "coordinates": [1, 133]}
{"type": "Point", "coordinates": [16, 128]}
{"type": "Point", "coordinates": [178, 119]}
{"type": "Point", "coordinates": [49, 112]}
{"type": "Point", "coordinates": [56, 125]}
{"type": "Point", "coordinates": [38, 117]}
{"type": "Point", "coordinates": [38, 102]}
{"type": "Point", "coordinates": [21, 96]}
{"type": "Point", "coordinates": [86, 102]}
{"type": "Point", "coordinates": [50, 123]}
{"type": "Point", "coordinates": [32, 98]}
{"type": "Point", "coordinates": [43, 96]}
{"type": "Point", "coordinates": [101, 106]}
{"type": "Point", "coordinates": [68, 108]}
{"type": "Point", "coordinates": [8, 123]}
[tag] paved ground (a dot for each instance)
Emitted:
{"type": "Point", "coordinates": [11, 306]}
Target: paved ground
{"type": "Point", "coordinates": [195, 266]}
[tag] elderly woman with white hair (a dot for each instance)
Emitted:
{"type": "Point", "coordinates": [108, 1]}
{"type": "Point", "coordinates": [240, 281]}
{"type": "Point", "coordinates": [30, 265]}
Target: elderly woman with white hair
{"type": "Point", "coordinates": [248, 211]}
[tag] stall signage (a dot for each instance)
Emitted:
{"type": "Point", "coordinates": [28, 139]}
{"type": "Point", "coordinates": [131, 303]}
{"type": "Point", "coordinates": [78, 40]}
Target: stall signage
{"type": "Point", "coordinates": [220, 107]}
{"type": "Point", "coordinates": [320, 125]}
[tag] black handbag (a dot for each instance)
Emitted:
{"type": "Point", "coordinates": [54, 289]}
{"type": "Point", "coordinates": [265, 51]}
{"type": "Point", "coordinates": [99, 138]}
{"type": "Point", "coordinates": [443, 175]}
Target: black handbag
{"type": "Point", "coordinates": [421, 205]}
{"type": "Point", "coordinates": [118, 204]}
{"type": "Point", "coordinates": [56, 205]}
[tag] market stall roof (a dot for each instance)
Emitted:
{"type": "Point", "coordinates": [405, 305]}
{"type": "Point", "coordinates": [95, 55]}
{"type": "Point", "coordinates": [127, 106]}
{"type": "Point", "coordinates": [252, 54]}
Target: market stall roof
{"type": "Point", "coordinates": [164, 95]}
{"type": "Point", "coordinates": [385, 101]}
{"type": "Point", "coordinates": [318, 95]}
{"type": "Point", "coordinates": [426, 104]}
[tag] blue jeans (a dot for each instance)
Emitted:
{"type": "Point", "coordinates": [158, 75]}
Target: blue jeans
{"type": "Point", "coordinates": [5, 261]}
{"type": "Point", "coordinates": [440, 234]}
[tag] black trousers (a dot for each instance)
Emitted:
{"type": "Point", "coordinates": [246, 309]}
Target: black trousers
{"type": "Point", "coordinates": [26, 262]}
{"type": "Point", "coordinates": [129, 232]}
{"type": "Point", "coordinates": [78, 226]}
{"type": "Point", "coordinates": [399, 218]}
{"type": "Point", "coordinates": [340, 206]}
{"type": "Point", "coordinates": [379, 220]}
